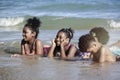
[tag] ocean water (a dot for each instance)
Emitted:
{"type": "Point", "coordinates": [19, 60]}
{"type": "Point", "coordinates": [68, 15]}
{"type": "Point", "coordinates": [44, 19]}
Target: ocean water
{"type": "Point", "coordinates": [79, 14]}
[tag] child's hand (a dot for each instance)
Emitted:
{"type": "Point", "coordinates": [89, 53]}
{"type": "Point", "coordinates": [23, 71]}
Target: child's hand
{"type": "Point", "coordinates": [15, 55]}
{"type": "Point", "coordinates": [53, 42]}
{"type": "Point", "coordinates": [64, 42]}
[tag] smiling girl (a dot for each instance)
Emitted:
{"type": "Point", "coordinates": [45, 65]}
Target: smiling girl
{"type": "Point", "coordinates": [30, 45]}
{"type": "Point", "coordinates": [61, 46]}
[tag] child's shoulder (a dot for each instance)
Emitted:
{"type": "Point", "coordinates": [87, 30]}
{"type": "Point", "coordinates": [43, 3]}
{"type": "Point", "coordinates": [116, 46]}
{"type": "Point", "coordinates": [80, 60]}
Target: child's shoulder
{"type": "Point", "coordinates": [38, 41]}
{"type": "Point", "coordinates": [105, 49]}
{"type": "Point", "coordinates": [73, 46]}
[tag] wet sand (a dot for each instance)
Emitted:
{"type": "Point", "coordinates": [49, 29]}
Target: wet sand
{"type": "Point", "coordinates": [37, 68]}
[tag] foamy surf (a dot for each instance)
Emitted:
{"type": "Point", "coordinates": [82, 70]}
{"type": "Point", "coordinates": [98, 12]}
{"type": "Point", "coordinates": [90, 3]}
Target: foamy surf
{"type": "Point", "coordinates": [114, 24]}
{"type": "Point", "coordinates": [11, 21]}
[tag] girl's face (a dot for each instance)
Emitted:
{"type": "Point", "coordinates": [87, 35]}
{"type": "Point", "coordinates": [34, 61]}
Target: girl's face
{"type": "Point", "coordinates": [27, 34]}
{"type": "Point", "coordinates": [61, 36]}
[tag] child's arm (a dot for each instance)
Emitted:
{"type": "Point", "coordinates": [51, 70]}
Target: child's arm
{"type": "Point", "coordinates": [102, 57]}
{"type": "Point", "coordinates": [51, 51]}
{"type": "Point", "coordinates": [25, 48]}
{"type": "Point", "coordinates": [72, 52]}
{"type": "Point", "coordinates": [62, 45]}
{"type": "Point", "coordinates": [63, 56]}
{"type": "Point", "coordinates": [39, 47]}
{"type": "Point", "coordinates": [22, 48]}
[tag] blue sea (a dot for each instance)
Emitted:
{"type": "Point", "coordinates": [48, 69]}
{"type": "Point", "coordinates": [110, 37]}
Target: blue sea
{"type": "Point", "coordinates": [13, 13]}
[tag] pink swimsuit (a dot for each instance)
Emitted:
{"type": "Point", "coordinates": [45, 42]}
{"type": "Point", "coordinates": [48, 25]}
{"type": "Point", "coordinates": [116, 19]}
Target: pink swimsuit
{"type": "Point", "coordinates": [45, 51]}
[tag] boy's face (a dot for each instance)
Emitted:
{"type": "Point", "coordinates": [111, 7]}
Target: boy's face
{"type": "Point", "coordinates": [92, 48]}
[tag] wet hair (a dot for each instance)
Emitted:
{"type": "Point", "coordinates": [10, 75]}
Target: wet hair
{"type": "Point", "coordinates": [101, 34]}
{"type": "Point", "coordinates": [85, 42]}
{"type": "Point", "coordinates": [68, 31]}
{"type": "Point", "coordinates": [33, 24]}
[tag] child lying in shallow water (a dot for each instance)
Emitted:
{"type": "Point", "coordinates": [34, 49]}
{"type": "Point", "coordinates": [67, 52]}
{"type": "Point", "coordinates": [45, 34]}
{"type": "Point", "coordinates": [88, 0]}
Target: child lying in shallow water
{"type": "Point", "coordinates": [99, 52]}
{"type": "Point", "coordinates": [30, 45]}
{"type": "Point", "coordinates": [61, 46]}
{"type": "Point", "coordinates": [101, 35]}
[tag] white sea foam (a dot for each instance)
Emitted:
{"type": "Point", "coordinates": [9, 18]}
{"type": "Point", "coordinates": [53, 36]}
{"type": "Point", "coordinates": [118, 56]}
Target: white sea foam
{"type": "Point", "coordinates": [9, 21]}
{"type": "Point", "coordinates": [114, 24]}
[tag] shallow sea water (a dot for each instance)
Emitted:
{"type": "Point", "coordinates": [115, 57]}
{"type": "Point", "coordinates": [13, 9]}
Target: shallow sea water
{"type": "Point", "coordinates": [43, 68]}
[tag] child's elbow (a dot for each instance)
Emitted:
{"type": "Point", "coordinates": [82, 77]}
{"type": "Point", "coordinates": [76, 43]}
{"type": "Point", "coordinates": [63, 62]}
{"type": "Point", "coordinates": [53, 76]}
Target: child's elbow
{"type": "Point", "coordinates": [101, 61]}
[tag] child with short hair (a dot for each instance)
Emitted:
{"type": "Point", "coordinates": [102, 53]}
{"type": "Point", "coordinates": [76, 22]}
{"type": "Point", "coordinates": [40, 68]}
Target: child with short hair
{"type": "Point", "coordinates": [30, 45]}
{"type": "Point", "coordinates": [101, 35]}
{"type": "Point", "coordinates": [61, 46]}
{"type": "Point", "coordinates": [100, 53]}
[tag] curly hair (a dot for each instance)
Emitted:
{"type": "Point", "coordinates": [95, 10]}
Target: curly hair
{"type": "Point", "coordinates": [85, 41]}
{"type": "Point", "coordinates": [33, 24]}
{"type": "Point", "coordinates": [101, 34]}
